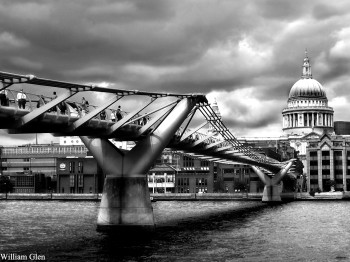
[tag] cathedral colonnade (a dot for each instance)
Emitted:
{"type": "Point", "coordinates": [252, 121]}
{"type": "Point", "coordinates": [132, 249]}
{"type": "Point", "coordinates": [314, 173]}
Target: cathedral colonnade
{"type": "Point", "coordinates": [308, 119]}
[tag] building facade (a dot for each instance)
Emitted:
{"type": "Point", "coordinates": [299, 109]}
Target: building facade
{"type": "Point", "coordinates": [342, 128]}
{"type": "Point", "coordinates": [30, 183]}
{"type": "Point", "coordinates": [161, 179]}
{"type": "Point", "coordinates": [329, 163]}
{"type": "Point", "coordinates": [79, 175]}
{"type": "Point", "coordinates": [32, 162]}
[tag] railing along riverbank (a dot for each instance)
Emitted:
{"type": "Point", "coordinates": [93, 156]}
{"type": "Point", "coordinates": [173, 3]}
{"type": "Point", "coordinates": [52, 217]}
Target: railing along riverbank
{"type": "Point", "coordinates": [180, 196]}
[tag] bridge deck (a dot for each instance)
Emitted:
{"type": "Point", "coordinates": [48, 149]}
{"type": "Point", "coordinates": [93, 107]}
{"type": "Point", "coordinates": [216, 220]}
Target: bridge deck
{"type": "Point", "coordinates": [63, 117]}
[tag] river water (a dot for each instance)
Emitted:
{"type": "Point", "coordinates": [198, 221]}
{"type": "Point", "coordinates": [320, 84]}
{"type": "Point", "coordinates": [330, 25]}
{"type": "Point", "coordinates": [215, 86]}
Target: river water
{"type": "Point", "coordinates": [186, 231]}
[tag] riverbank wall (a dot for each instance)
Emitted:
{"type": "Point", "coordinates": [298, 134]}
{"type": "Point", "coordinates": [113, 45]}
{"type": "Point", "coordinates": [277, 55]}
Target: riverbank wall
{"type": "Point", "coordinates": [48, 196]}
{"type": "Point", "coordinates": [182, 197]}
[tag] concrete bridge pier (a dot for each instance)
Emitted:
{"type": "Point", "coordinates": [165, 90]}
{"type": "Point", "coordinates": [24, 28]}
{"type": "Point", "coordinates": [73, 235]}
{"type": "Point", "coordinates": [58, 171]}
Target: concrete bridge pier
{"type": "Point", "coordinates": [272, 189]}
{"type": "Point", "coordinates": [126, 200]}
{"type": "Point", "coordinates": [272, 193]}
{"type": "Point", "coordinates": [125, 203]}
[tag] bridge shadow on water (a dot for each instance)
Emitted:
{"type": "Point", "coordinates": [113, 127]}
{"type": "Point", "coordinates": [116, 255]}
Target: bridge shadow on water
{"type": "Point", "coordinates": [176, 234]}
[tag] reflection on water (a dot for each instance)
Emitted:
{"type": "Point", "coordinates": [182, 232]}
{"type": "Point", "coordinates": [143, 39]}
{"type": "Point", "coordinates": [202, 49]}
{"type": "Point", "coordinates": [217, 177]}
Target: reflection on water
{"type": "Point", "coordinates": [186, 231]}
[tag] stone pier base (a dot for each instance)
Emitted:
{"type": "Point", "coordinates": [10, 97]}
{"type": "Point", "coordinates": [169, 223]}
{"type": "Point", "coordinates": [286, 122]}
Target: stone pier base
{"type": "Point", "coordinates": [125, 204]}
{"type": "Point", "coordinates": [272, 193]}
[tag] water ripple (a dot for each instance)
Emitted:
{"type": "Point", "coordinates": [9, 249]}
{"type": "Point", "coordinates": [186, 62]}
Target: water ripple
{"type": "Point", "coordinates": [186, 231]}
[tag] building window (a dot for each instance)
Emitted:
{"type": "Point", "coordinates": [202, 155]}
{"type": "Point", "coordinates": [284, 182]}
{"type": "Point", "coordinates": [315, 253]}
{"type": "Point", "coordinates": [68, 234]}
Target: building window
{"type": "Point", "coordinates": [71, 167]}
{"type": "Point", "coordinates": [170, 178]}
{"type": "Point", "coordinates": [183, 185]}
{"type": "Point", "coordinates": [80, 167]}
{"type": "Point", "coordinates": [228, 171]}
{"type": "Point", "coordinates": [25, 181]}
{"type": "Point", "coordinates": [80, 180]}
{"type": "Point", "coordinates": [201, 185]}
{"type": "Point", "coordinates": [71, 181]}
{"type": "Point", "coordinates": [204, 163]}
{"type": "Point", "coordinates": [338, 168]}
{"type": "Point", "coordinates": [188, 161]}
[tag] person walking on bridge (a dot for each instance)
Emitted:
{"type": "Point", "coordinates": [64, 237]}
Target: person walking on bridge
{"type": "Point", "coordinates": [3, 97]}
{"type": "Point", "coordinates": [21, 99]}
{"type": "Point", "coordinates": [41, 101]}
{"type": "Point", "coordinates": [119, 113]}
{"type": "Point", "coordinates": [54, 109]}
{"type": "Point", "coordinates": [85, 105]}
{"type": "Point", "coordinates": [103, 115]}
{"type": "Point", "coordinates": [112, 116]}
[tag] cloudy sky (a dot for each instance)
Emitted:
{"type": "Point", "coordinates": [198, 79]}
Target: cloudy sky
{"type": "Point", "coordinates": [245, 54]}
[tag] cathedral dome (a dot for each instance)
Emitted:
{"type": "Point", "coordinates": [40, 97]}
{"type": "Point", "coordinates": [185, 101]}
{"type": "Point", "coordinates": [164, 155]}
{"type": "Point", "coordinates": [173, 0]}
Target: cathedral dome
{"type": "Point", "coordinates": [307, 88]}
{"type": "Point", "coordinates": [307, 106]}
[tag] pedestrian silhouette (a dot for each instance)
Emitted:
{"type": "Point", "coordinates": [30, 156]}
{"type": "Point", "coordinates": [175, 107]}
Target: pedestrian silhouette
{"type": "Point", "coordinates": [21, 99]}
{"type": "Point", "coordinates": [3, 97]}
{"type": "Point", "coordinates": [103, 115]}
{"type": "Point", "coordinates": [112, 116]}
{"type": "Point", "coordinates": [119, 113]}
{"type": "Point", "coordinates": [85, 105]}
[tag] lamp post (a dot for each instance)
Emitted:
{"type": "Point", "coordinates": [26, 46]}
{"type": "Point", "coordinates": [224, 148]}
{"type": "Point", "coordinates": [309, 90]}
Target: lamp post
{"type": "Point", "coordinates": [5, 188]}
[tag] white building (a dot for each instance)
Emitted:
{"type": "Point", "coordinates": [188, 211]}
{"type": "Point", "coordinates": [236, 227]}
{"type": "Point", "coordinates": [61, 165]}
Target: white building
{"type": "Point", "coordinates": [76, 141]}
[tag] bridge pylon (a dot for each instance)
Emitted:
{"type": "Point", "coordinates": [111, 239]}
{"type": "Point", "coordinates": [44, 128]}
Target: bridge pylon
{"type": "Point", "coordinates": [126, 199]}
{"type": "Point", "coordinates": [272, 192]}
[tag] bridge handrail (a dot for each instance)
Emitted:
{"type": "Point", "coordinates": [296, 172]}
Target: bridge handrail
{"type": "Point", "coordinates": [220, 127]}
{"type": "Point", "coordinates": [9, 79]}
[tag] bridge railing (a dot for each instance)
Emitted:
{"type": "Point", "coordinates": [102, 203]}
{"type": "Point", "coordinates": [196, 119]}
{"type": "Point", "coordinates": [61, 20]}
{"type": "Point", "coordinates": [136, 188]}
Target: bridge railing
{"type": "Point", "coordinates": [219, 139]}
{"type": "Point", "coordinates": [68, 107]}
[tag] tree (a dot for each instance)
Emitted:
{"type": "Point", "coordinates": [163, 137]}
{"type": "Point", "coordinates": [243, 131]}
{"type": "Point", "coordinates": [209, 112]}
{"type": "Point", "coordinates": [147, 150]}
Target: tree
{"type": "Point", "coordinates": [219, 185]}
{"type": "Point", "coordinates": [240, 185]}
{"type": "Point", "coordinates": [329, 184]}
{"type": "Point", "coordinates": [289, 182]}
{"type": "Point", "coordinates": [5, 184]}
{"type": "Point", "coordinates": [261, 186]}
{"type": "Point", "coordinates": [299, 166]}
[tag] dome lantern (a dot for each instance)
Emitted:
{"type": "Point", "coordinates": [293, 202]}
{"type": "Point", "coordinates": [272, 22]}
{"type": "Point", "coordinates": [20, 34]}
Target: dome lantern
{"type": "Point", "coordinates": [306, 67]}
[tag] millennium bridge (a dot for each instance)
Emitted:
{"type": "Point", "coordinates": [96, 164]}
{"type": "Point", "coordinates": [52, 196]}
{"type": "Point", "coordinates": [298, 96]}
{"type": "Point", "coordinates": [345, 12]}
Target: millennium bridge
{"type": "Point", "coordinates": [166, 124]}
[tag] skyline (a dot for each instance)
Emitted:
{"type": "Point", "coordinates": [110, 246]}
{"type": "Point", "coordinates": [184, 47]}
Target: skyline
{"type": "Point", "coordinates": [246, 55]}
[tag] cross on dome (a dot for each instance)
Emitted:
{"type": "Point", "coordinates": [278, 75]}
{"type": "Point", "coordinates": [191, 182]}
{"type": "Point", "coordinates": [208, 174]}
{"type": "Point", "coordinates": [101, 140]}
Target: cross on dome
{"type": "Point", "coordinates": [306, 67]}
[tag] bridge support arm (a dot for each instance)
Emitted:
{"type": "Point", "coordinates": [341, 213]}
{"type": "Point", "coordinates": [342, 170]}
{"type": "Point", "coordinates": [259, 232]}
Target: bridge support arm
{"type": "Point", "coordinates": [126, 199]}
{"type": "Point", "coordinates": [272, 189]}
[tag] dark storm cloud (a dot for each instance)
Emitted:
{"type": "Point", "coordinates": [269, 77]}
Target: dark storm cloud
{"type": "Point", "coordinates": [326, 11]}
{"type": "Point", "coordinates": [252, 49]}
{"type": "Point", "coordinates": [336, 67]}
{"type": "Point", "coordinates": [262, 122]}
{"type": "Point", "coordinates": [282, 10]}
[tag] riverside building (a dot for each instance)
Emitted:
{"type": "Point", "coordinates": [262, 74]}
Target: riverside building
{"type": "Point", "coordinates": [33, 168]}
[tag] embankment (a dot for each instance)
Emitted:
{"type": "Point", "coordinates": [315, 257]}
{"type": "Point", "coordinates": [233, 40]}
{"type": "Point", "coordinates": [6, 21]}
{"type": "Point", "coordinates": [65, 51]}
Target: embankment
{"type": "Point", "coordinates": [181, 197]}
